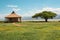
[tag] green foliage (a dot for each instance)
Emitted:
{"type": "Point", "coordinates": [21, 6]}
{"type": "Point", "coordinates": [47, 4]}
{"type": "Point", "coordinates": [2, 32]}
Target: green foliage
{"type": "Point", "coordinates": [35, 16]}
{"type": "Point", "coordinates": [45, 14]}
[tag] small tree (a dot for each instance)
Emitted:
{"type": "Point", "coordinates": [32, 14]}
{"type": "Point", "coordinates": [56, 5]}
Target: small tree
{"type": "Point", "coordinates": [45, 15]}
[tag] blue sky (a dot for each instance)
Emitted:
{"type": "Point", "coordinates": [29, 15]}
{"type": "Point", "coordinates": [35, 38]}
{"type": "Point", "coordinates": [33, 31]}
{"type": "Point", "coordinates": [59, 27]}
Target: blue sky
{"type": "Point", "coordinates": [28, 7]}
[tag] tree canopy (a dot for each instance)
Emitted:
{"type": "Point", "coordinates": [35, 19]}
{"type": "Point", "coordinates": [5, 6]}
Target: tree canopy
{"type": "Point", "coordinates": [45, 15]}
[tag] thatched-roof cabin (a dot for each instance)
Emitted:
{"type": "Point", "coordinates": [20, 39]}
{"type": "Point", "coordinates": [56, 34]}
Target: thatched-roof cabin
{"type": "Point", "coordinates": [13, 17]}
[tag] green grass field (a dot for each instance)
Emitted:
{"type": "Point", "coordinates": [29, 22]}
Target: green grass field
{"type": "Point", "coordinates": [30, 31]}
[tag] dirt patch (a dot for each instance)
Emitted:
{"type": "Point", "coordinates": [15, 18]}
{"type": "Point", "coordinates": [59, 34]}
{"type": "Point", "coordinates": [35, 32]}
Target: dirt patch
{"type": "Point", "coordinates": [18, 24]}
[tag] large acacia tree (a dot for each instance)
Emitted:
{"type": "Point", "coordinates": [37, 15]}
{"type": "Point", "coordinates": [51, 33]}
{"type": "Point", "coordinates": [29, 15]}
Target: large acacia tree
{"type": "Point", "coordinates": [45, 15]}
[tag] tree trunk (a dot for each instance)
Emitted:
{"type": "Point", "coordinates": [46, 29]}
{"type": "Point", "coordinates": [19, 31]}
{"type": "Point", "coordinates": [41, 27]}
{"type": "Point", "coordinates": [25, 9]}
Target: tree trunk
{"type": "Point", "coordinates": [46, 20]}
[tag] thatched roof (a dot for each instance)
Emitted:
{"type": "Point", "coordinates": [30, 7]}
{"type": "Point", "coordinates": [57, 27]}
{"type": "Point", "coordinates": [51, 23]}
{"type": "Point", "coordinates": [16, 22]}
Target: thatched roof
{"type": "Point", "coordinates": [13, 14]}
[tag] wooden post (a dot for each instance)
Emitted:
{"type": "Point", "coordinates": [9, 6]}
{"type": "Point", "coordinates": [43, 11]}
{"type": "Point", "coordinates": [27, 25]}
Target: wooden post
{"type": "Point", "coordinates": [20, 20]}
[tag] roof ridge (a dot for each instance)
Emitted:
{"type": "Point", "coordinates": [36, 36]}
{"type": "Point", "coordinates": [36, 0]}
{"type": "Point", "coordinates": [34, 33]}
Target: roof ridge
{"type": "Point", "coordinates": [13, 14]}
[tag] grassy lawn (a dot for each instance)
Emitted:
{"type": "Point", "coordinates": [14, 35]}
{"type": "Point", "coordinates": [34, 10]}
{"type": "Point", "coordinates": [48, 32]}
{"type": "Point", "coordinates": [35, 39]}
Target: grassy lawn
{"type": "Point", "coordinates": [30, 31]}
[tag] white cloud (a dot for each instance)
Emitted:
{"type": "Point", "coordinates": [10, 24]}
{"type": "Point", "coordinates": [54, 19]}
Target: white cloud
{"type": "Point", "coordinates": [33, 11]}
{"type": "Point", "coordinates": [2, 15]}
{"type": "Point", "coordinates": [14, 7]}
{"type": "Point", "coordinates": [56, 10]}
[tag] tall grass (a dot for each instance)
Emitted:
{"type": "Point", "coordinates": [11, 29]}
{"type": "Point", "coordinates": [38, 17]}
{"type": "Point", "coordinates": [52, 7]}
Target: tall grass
{"type": "Point", "coordinates": [30, 31]}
